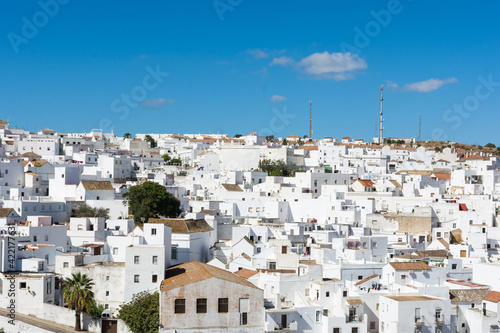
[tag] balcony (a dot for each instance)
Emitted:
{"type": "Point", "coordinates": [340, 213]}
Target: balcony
{"type": "Point", "coordinates": [419, 320]}
{"type": "Point", "coordinates": [439, 319]}
{"type": "Point", "coordinates": [354, 318]}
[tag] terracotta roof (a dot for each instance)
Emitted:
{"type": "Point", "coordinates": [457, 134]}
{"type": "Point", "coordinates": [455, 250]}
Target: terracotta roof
{"type": "Point", "coordinates": [245, 238]}
{"type": "Point", "coordinates": [207, 211]}
{"type": "Point", "coordinates": [366, 279]}
{"type": "Point", "coordinates": [183, 226]}
{"type": "Point", "coordinates": [354, 301]}
{"type": "Point", "coordinates": [366, 183]}
{"type": "Point", "coordinates": [468, 295]}
{"type": "Point", "coordinates": [405, 266]}
{"type": "Point", "coordinates": [445, 243]}
{"type": "Point", "coordinates": [426, 254]}
{"type": "Point", "coordinates": [246, 273]}
{"type": "Point", "coordinates": [308, 262]}
{"type": "Point", "coordinates": [195, 271]}
{"type": "Point", "coordinates": [94, 185]}
{"type": "Point", "coordinates": [29, 173]}
{"type": "Point", "coordinates": [494, 297]}
{"type": "Point", "coordinates": [48, 130]}
{"type": "Point", "coordinates": [232, 187]}
{"type": "Point", "coordinates": [29, 154]}
{"type": "Point", "coordinates": [4, 212]}
{"type": "Point", "coordinates": [35, 164]}
{"type": "Point", "coordinates": [308, 147]}
{"type": "Point", "coordinates": [395, 183]}
{"type": "Point", "coordinates": [443, 176]}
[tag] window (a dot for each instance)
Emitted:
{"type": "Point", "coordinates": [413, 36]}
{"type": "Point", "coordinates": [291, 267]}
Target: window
{"type": "Point", "coordinates": [153, 231]}
{"type": "Point", "coordinates": [136, 278]}
{"type": "Point", "coordinates": [65, 264]}
{"type": "Point", "coordinates": [201, 305]}
{"type": "Point", "coordinates": [136, 259]}
{"type": "Point", "coordinates": [155, 260]}
{"type": "Point", "coordinates": [344, 293]}
{"type": "Point", "coordinates": [327, 294]}
{"type": "Point", "coordinates": [372, 325]}
{"type": "Point", "coordinates": [107, 292]}
{"type": "Point", "coordinates": [49, 285]}
{"type": "Point", "coordinates": [336, 330]}
{"type": "Point", "coordinates": [272, 265]}
{"type": "Point", "coordinates": [438, 234]}
{"type": "Point", "coordinates": [244, 318]}
{"type": "Point", "coordinates": [283, 250]}
{"type": "Point", "coordinates": [46, 238]}
{"type": "Point", "coordinates": [107, 277]}
{"type": "Point", "coordinates": [22, 285]}
{"type": "Point", "coordinates": [223, 305]}
{"type": "Point", "coordinates": [318, 316]}
{"type": "Point", "coordinates": [325, 312]}
{"type": "Point", "coordinates": [360, 277]}
{"type": "Point", "coordinates": [174, 252]}
{"type": "Point", "coordinates": [154, 278]}
{"type": "Point", "coordinates": [374, 245]}
{"type": "Point", "coordinates": [453, 266]}
{"type": "Point", "coordinates": [180, 305]}
{"type": "Point", "coordinates": [354, 330]}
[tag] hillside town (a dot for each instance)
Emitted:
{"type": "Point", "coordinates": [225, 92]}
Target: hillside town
{"type": "Point", "coordinates": [290, 234]}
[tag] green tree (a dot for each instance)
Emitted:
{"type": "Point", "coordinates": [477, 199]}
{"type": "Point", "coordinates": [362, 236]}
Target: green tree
{"type": "Point", "coordinates": [175, 161]}
{"type": "Point", "coordinates": [96, 310]}
{"type": "Point", "coordinates": [152, 142]}
{"type": "Point", "coordinates": [78, 294]}
{"type": "Point", "coordinates": [490, 145]}
{"type": "Point", "coordinates": [127, 135]}
{"type": "Point", "coordinates": [270, 138]}
{"type": "Point", "coordinates": [151, 200]}
{"type": "Point", "coordinates": [142, 313]}
{"type": "Point", "coordinates": [284, 142]}
{"type": "Point", "coordinates": [278, 168]}
{"type": "Point", "coordinates": [238, 136]}
{"type": "Point", "coordinates": [165, 157]}
{"type": "Point", "coordinates": [87, 211]}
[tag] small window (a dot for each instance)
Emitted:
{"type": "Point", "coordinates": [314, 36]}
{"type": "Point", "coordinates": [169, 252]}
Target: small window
{"type": "Point", "coordinates": [136, 278]}
{"type": "Point", "coordinates": [344, 293]}
{"type": "Point", "coordinates": [65, 264]}
{"type": "Point", "coordinates": [154, 278]}
{"type": "Point", "coordinates": [360, 277]}
{"type": "Point", "coordinates": [374, 245]}
{"type": "Point", "coordinates": [201, 305]}
{"type": "Point", "coordinates": [174, 252]}
{"type": "Point", "coordinates": [223, 305]}
{"type": "Point", "coordinates": [22, 285]}
{"type": "Point", "coordinates": [283, 249]}
{"type": "Point", "coordinates": [327, 294]}
{"type": "Point", "coordinates": [244, 318]}
{"type": "Point", "coordinates": [372, 325]}
{"type": "Point", "coordinates": [453, 266]}
{"type": "Point", "coordinates": [318, 316]}
{"type": "Point", "coordinates": [136, 259]}
{"type": "Point", "coordinates": [153, 231]}
{"type": "Point", "coordinates": [180, 305]}
{"type": "Point", "coordinates": [107, 292]}
{"type": "Point", "coordinates": [155, 260]}
{"type": "Point", "coordinates": [107, 277]}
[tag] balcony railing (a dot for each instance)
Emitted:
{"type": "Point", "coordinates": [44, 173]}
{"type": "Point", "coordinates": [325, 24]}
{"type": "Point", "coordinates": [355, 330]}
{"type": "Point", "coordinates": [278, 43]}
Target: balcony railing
{"type": "Point", "coordinates": [419, 320]}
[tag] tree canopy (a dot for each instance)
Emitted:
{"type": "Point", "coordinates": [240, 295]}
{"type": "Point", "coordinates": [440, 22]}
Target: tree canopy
{"type": "Point", "coordinates": [127, 135]}
{"type": "Point", "coordinates": [141, 314]}
{"type": "Point", "coordinates": [165, 157]}
{"type": "Point", "coordinates": [278, 168]}
{"type": "Point", "coordinates": [490, 145]}
{"type": "Point", "coordinates": [78, 294]}
{"type": "Point", "coordinates": [87, 211]}
{"type": "Point", "coordinates": [151, 200]}
{"type": "Point", "coordinates": [152, 142]}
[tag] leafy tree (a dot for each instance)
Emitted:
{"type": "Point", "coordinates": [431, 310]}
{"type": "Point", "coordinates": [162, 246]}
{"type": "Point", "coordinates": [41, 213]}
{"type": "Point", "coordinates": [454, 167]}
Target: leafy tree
{"type": "Point", "coordinates": [142, 313]}
{"type": "Point", "coordinates": [305, 136]}
{"type": "Point", "coordinates": [165, 157]}
{"type": "Point", "coordinates": [270, 138]}
{"type": "Point", "coordinates": [96, 310]}
{"type": "Point", "coordinates": [175, 161]}
{"type": "Point", "coordinates": [78, 294]}
{"type": "Point", "coordinates": [278, 168]}
{"type": "Point", "coordinates": [490, 145]}
{"type": "Point", "coordinates": [87, 211]}
{"type": "Point", "coordinates": [127, 135]}
{"type": "Point", "coordinates": [238, 136]}
{"type": "Point", "coordinates": [284, 142]}
{"type": "Point", "coordinates": [438, 149]}
{"type": "Point", "coordinates": [152, 142]}
{"type": "Point", "coordinates": [151, 200]}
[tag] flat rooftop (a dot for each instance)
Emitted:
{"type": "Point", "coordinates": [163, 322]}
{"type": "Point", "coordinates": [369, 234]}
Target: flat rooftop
{"type": "Point", "coordinates": [413, 298]}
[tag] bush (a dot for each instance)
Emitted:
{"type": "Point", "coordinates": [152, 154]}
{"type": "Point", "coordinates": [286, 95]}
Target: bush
{"type": "Point", "coordinates": [87, 211]}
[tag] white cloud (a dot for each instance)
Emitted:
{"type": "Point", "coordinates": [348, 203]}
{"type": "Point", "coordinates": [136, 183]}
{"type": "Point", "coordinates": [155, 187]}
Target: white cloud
{"type": "Point", "coordinates": [391, 84]}
{"type": "Point", "coordinates": [282, 61]}
{"type": "Point", "coordinates": [262, 71]}
{"type": "Point", "coordinates": [157, 103]}
{"type": "Point", "coordinates": [428, 85]}
{"type": "Point", "coordinates": [277, 99]}
{"type": "Point", "coordinates": [258, 53]}
{"type": "Point", "coordinates": [332, 65]}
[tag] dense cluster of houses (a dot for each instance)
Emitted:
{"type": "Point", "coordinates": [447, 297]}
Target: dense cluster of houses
{"type": "Point", "coordinates": [368, 238]}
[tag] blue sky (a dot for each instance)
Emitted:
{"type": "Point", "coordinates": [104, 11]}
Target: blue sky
{"type": "Point", "coordinates": [235, 66]}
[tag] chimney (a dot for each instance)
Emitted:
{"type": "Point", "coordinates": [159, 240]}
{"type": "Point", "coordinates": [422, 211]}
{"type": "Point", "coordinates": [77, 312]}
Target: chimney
{"type": "Point", "coordinates": [278, 302]}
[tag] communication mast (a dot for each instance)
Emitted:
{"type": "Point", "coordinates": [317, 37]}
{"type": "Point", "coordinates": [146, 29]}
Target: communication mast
{"type": "Point", "coordinates": [381, 117]}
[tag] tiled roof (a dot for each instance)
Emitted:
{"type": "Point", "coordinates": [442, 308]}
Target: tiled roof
{"type": "Point", "coordinates": [35, 164]}
{"type": "Point", "coordinates": [309, 147]}
{"type": "Point", "coordinates": [366, 279]}
{"type": "Point", "coordinates": [443, 176]}
{"type": "Point", "coordinates": [468, 295]}
{"type": "Point", "coordinates": [246, 273]}
{"type": "Point", "coordinates": [195, 271]}
{"type": "Point", "coordinates": [354, 301]}
{"type": "Point", "coordinates": [183, 226]}
{"type": "Point", "coordinates": [426, 254]}
{"type": "Point", "coordinates": [405, 266]}
{"type": "Point", "coordinates": [445, 243]}
{"type": "Point", "coordinates": [494, 297]}
{"type": "Point", "coordinates": [29, 154]}
{"type": "Point", "coordinates": [4, 212]}
{"type": "Point", "coordinates": [366, 183]}
{"type": "Point", "coordinates": [395, 183]}
{"type": "Point", "coordinates": [94, 185]}
{"type": "Point", "coordinates": [232, 187]}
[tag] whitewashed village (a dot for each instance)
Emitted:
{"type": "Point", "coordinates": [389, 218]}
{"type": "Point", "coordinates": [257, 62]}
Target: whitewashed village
{"type": "Point", "coordinates": [295, 234]}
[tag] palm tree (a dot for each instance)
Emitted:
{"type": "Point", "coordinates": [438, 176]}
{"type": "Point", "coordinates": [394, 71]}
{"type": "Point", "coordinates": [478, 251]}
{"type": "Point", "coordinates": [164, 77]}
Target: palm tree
{"type": "Point", "coordinates": [127, 136]}
{"type": "Point", "coordinates": [78, 294]}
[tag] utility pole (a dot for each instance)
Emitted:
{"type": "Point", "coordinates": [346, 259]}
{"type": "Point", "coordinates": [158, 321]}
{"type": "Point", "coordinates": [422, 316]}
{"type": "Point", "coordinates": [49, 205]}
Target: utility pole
{"type": "Point", "coordinates": [381, 117]}
{"type": "Point", "coordinates": [419, 127]}
{"type": "Point", "coordinates": [310, 119]}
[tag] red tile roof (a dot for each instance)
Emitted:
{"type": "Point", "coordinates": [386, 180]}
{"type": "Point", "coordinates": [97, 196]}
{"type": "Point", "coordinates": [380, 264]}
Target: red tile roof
{"type": "Point", "coordinates": [494, 297]}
